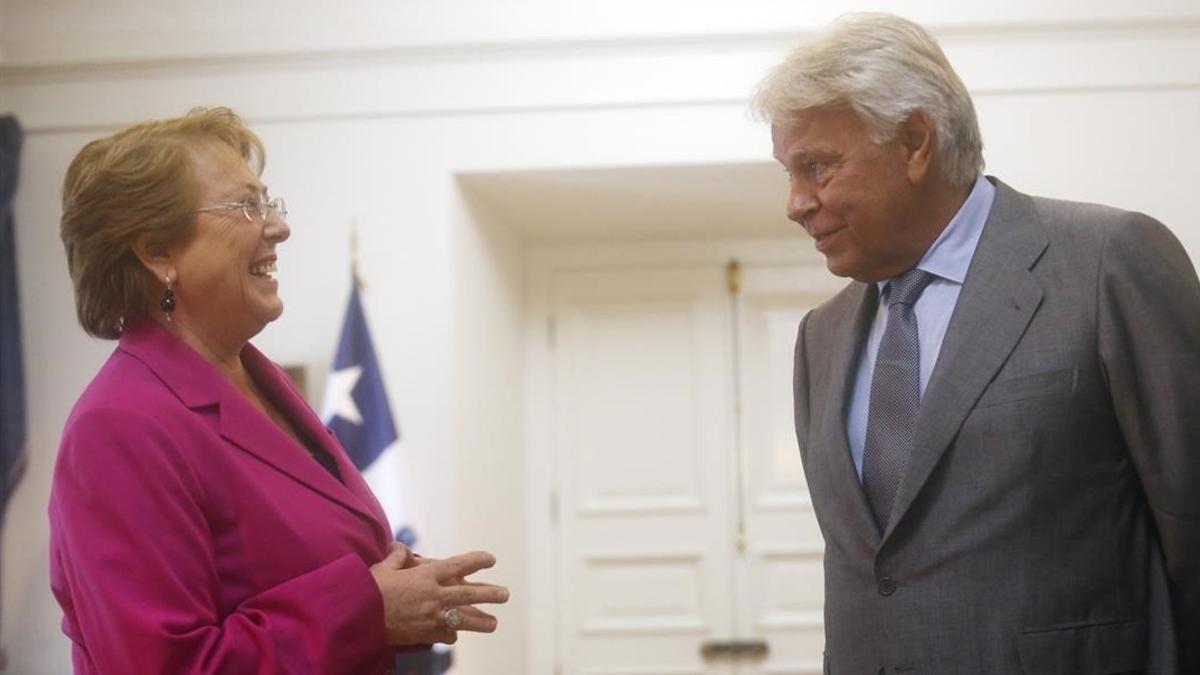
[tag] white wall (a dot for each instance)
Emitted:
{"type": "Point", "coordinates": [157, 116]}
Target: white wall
{"type": "Point", "coordinates": [370, 110]}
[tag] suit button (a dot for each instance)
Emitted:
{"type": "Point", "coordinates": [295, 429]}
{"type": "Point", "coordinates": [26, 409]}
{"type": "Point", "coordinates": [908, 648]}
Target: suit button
{"type": "Point", "coordinates": [887, 586]}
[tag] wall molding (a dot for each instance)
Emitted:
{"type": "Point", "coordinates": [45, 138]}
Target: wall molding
{"type": "Point", "coordinates": [948, 34]}
{"type": "Point", "coordinates": [564, 76]}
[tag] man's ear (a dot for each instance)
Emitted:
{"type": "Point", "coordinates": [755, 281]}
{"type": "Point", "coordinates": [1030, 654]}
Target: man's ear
{"type": "Point", "coordinates": [155, 258]}
{"type": "Point", "coordinates": [917, 139]}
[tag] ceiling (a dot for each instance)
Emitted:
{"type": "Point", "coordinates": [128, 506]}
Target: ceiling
{"type": "Point", "coordinates": [655, 202]}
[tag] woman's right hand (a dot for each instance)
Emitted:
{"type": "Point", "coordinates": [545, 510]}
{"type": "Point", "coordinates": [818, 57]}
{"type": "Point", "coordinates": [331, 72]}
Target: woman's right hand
{"type": "Point", "coordinates": [418, 591]}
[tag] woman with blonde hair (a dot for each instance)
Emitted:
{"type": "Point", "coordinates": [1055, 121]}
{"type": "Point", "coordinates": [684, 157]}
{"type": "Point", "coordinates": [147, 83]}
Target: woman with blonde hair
{"type": "Point", "coordinates": [202, 518]}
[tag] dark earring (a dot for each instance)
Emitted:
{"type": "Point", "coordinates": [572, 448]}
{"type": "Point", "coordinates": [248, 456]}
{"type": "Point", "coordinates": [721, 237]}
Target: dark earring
{"type": "Point", "coordinates": [168, 300]}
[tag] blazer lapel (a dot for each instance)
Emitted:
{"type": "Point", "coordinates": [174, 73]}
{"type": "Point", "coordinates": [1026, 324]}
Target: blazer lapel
{"type": "Point", "coordinates": [245, 426]}
{"type": "Point", "coordinates": [834, 386]}
{"type": "Point", "coordinates": [198, 385]}
{"type": "Point", "coordinates": [999, 298]}
{"type": "Point", "coordinates": [284, 395]}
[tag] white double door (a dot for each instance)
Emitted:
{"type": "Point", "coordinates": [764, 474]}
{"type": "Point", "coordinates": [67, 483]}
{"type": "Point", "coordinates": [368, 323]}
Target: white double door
{"type": "Point", "coordinates": [685, 541]}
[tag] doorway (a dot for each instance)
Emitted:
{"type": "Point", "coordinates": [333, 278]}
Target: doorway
{"type": "Point", "coordinates": [681, 531]}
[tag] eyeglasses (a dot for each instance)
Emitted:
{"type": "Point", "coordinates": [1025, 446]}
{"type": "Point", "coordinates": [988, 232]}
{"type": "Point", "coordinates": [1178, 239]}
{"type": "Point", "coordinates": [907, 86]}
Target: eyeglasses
{"type": "Point", "coordinates": [255, 208]}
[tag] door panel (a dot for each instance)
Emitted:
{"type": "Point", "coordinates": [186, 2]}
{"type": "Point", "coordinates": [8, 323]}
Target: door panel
{"type": "Point", "coordinates": [684, 514]}
{"type": "Point", "coordinates": [779, 576]}
{"type": "Point", "coordinates": [641, 441]}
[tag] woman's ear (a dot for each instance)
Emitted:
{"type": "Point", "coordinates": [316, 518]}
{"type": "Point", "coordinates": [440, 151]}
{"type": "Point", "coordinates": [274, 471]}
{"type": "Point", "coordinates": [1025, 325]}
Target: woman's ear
{"type": "Point", "coordinates": [155, 258]}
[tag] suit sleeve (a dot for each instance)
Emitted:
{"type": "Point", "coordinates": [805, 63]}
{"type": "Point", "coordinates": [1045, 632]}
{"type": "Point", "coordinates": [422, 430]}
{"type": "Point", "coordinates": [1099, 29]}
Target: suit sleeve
{"type": "Point", "coordinates": [134, 567]}
{"type": "Point", "coordinates": [1149, 341]}
{"type": "Point", "coordinates": [800, 392]}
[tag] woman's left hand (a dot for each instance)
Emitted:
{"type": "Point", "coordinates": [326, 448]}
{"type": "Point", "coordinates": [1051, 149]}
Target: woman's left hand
{"type": "Point", "coordinates": [419, 592]}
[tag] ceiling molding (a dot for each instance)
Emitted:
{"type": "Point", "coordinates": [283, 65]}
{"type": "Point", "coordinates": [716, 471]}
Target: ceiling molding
{"type": "Point", "coordinates": [471, 111]}
{"type": "Point", "coordinates": [949, 34]}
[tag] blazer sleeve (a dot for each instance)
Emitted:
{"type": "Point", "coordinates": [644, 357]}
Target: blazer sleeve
{"type": "Point", "coordinates": [133, 564]}
{"type": "Point", "coordinates": [800, 391]}
{"type": "Point", "coordinates": [1149, 342]}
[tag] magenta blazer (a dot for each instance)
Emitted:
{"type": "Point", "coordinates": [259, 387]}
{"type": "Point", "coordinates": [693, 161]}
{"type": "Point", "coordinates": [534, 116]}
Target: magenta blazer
{"type": "Point", "coordinates": [190, 535]}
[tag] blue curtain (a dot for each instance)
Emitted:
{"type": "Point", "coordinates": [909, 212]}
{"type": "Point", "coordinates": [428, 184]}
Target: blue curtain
{"type": "Point", "coordinates": [12, 376]}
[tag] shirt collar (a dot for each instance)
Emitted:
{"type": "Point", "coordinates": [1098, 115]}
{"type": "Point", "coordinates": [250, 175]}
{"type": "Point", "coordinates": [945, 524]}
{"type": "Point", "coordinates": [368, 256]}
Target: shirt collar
{"type": "Point", "coordinates": [950, 255]}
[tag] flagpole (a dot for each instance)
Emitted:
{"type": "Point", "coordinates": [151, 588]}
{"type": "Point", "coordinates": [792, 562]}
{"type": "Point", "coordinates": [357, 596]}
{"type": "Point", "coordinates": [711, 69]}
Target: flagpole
{"type": "Point", "coordinates": [364, 426]}
{"type": "Point", "coordinates": [358, 282]}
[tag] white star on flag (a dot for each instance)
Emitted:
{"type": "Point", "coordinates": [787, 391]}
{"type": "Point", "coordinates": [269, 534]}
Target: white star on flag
{"type": "Point", "coordinates": [339, 401]}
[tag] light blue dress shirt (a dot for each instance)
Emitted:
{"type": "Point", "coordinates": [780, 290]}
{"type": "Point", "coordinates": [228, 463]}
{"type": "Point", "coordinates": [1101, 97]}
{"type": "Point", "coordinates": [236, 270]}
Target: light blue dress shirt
{"type": "Point", "coordinates": [947, 259]}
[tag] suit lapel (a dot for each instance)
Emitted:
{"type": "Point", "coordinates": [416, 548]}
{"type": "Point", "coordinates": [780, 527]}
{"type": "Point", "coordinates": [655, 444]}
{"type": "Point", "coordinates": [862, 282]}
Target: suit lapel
{"type": "Point", "coordinates": [999, 298]}
{"type": "Point", "coordinates": [834, 386]}
{"type": "Point", "coordinates": [246, 427]}
{"type": "Point", "coordinates": [284, 395]}
{"type": "Point", "coordinates": [198, 385]}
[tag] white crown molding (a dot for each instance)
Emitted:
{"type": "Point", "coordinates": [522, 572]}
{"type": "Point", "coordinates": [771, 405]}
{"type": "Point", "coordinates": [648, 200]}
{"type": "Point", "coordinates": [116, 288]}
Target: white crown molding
{"type": "Point", "coordinates": [949, 34]}
{"type": "Point", "coordinates": [1016, 59]}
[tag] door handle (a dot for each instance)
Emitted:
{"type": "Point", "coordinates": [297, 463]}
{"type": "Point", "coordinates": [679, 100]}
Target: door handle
{"type": "Point", "coordinates": [734, 649]}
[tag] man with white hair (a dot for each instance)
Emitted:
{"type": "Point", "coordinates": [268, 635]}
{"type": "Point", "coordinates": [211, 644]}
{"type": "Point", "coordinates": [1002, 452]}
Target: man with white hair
{"type": "Point", "coordinates": [997, 415]}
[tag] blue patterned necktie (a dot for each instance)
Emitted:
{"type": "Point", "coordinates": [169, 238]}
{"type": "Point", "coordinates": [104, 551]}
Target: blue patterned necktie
{"type": "Point", "coordinates": [895, 396]}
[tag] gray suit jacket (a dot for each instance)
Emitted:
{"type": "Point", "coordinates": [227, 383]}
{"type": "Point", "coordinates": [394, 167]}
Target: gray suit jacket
{"type": "Point", "coordinates": [1049, 518]}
